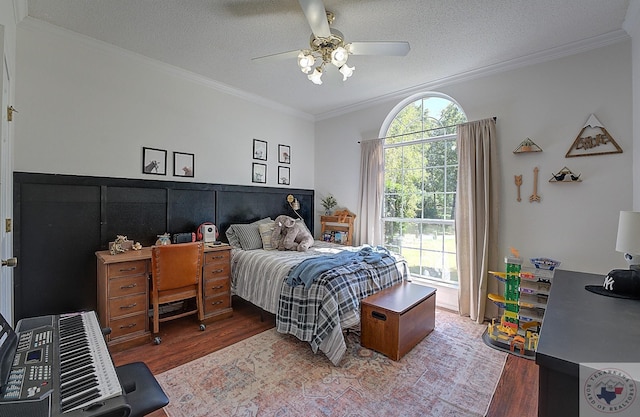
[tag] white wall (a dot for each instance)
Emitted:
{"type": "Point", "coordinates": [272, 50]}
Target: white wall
{"type": "Point", "coordinates": [549, 102]}
{"type": "Point", "coordinates": [87, 108]}
{"type": "Point", "coordinates": [632, 26]}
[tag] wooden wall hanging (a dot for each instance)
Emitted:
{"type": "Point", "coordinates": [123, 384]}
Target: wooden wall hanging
{"type": "Point", "coordinates": [518, 181]}
{"type": "Point", "coordinates": [526, 146]}
{"type": "Point", "coordinates": [565, 175]}
{"type": "Point", "coordinates": [593, 139]}
{"type": "Point", "coordinates": [535, 197]}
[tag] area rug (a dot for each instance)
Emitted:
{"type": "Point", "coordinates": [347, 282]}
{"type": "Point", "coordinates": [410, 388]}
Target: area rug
{"type": "Point", "coordinates": [449, 373]}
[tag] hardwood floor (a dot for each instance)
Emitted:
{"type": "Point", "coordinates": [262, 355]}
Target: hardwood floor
{"type": "Point", "coordinates": [182, 342]}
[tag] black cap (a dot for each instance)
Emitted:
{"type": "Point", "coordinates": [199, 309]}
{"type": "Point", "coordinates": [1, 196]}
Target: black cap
{"type": "Point", "coordinates": [620, 283]}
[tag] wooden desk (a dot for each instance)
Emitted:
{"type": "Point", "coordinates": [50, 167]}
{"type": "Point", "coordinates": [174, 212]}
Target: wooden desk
{"type": "Point", "coordinates": [580, 326]}
{"type": "Point", "coordinates": [123, 292]}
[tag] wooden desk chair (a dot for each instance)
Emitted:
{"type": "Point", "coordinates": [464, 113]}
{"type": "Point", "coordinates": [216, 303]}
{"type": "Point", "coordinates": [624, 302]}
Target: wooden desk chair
{"type": "Point", "coordinates": [176, 276]}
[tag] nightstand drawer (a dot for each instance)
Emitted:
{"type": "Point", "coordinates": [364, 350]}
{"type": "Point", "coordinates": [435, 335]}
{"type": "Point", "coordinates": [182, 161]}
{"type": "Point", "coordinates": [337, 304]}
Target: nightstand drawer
{"type": "Point", "coordinates": [128, 325]}
{"type": "Point", "coordinates": [217, 270]}
{"type": "Point", "coordinates": [216, 303]}
{"type": "Point", "coordinates": [216, 286]}
{"type": "Point", "coordinates": [221, 256]}
{"type": "Point", "coordinates": [119, 287]}
{"type": "Point", "coordinates": [131, 304]}
{"type": "Point", "coordinates": [127, 268]}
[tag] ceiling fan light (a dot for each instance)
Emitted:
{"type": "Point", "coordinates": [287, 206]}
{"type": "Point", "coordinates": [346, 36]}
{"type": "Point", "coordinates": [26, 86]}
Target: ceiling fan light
{"type": "Point", "coordinates": [346, 72]}
{"type": "Point", "coordinates": [339, 56]}
{"type": "Point", "coordinates": [305, 61]}
{"type": "Point", "coordinates": [316, 76]}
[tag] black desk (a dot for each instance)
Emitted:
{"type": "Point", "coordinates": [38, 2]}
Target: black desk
{"type": "Point", "coordinates": [580, 326]}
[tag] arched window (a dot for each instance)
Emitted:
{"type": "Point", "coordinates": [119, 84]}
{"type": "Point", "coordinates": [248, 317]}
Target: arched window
{"type": "Point", "coordinates": [420, 177]}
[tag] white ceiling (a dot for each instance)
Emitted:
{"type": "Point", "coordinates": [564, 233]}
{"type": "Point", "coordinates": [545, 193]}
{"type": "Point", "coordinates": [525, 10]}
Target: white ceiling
{"type": "Point", "coordinates": [450, 39]}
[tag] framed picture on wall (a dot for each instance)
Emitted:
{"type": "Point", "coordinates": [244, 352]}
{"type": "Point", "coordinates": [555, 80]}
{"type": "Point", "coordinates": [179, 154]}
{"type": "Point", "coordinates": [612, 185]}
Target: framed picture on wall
{"type": "Point", "coordinates": [284, 175]}
{"type": "Point", "coordinates": [183, 164]}
{"type": "Point", "coordinates": [259, 173]}
{"type": "Point", "coordinates": [259, 149]}
{"type": "Point", "coordinates": [284, 154]}
{"type": "Point", "coordinates": [154, 161]}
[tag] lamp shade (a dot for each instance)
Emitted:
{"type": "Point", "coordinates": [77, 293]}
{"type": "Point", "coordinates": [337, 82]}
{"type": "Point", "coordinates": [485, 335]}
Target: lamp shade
{"type": "Point", "coordinates": [629, 233]}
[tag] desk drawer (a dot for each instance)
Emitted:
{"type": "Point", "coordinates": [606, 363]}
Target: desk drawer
{"type": "Point", "coordinates": [127, 268]}
{"type": "Point", "coordinates": [128, 325]}
{"type": "Point", "coordinates": [214, 257]}
{"type": "Point", "coordinates": [130, 304]}
{"type": "Point", "coordinates": [119, 287]}
{"type": "Point", "coordinates": [216, 286]}
{"type": "Point", "coordinates": [216, 303]}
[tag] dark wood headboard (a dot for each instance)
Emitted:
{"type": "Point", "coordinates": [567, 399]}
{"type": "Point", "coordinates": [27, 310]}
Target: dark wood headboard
{"type": "Point", "coordinates": [60, 221]}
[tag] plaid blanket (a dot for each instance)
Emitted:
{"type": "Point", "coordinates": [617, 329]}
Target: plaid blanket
{"type": "Point", "coordinates": [315, 315]}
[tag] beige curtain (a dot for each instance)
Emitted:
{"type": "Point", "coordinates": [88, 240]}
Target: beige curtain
{"type": "Point", "coordinates": [477, 216]}
{"type": "Point", "coordinates": [370, 193]}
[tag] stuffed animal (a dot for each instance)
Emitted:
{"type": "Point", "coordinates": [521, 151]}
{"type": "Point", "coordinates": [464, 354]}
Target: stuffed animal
{"type": "Point", "coordinates": [289, 234]}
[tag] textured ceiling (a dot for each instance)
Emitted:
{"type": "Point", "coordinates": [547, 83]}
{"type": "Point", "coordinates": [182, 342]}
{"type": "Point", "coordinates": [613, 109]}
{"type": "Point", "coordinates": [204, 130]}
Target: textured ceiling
{"type": "Point", "coordinates": [217, 39]}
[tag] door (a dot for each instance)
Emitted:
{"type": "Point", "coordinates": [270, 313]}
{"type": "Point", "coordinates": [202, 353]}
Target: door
{"type": "Point", "coordinates": [6, 191]}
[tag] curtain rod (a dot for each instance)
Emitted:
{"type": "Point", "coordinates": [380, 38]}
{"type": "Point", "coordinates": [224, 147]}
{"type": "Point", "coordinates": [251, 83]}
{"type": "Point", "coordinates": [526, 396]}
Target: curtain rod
{"type": "Point", "coordinates": [495, 119]}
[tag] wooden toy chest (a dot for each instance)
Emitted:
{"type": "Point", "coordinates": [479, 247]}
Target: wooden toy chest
{"type": "Point", "coordinates": [396, 319]}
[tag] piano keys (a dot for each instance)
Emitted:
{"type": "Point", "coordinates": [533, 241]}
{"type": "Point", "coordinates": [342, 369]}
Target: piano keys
{"type": "Point", "coordinates": [58, 366]}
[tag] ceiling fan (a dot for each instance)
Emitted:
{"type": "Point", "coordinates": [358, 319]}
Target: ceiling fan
{"type": "Point", "coordinates": [327, 45]}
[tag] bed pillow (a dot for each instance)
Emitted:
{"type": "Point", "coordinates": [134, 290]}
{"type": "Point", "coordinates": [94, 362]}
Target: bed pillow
{"type": "Point", "coordinates": [266, 229]}
{"type": "Point", "coordinates": [246, 236]}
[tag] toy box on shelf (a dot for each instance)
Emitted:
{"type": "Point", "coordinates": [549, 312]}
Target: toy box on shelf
{"type": "Point", "coordinates": [526, 290]}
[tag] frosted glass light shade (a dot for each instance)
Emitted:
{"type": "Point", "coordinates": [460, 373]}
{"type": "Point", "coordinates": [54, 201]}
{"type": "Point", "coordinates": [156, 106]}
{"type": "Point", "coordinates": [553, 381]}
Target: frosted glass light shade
{"type": "Point", "coordinates": [628, 240]}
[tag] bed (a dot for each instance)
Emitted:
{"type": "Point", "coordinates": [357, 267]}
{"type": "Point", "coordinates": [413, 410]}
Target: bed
{"type": "Point", "coordinates": [318, 313]}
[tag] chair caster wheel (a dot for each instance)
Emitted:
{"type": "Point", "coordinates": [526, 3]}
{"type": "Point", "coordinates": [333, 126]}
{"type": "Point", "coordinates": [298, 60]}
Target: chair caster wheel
{"type": "Point", "coordinates": [157, 340]}
{"type": "Point", "coordinates": [202, 327]}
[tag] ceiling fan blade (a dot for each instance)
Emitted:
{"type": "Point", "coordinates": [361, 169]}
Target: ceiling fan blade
{"type": "Point", "coordinates": [380, 48]}
{"type": "Point", "coordinates": [317, 17]}
{"type": "Point", "coordinates": [279, 56]}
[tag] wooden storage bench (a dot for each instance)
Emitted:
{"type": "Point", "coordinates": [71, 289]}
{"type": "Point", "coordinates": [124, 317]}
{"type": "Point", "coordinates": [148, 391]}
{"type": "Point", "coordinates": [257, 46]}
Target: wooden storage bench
{"type": "Point", "coordinates": [396, 319]}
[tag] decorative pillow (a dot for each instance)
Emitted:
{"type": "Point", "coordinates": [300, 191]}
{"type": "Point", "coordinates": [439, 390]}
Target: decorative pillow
{"type": "Point", "coordinates": [232, 238]}
{"type": "Point", "coordinates": [246, 236]}
{"type": "Point", "coordinates": [266, 229]}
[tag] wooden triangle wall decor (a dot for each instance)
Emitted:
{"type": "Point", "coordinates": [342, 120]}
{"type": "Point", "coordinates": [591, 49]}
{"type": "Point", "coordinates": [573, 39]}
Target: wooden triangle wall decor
{"type": "Point", "coordinates": [593, 139]}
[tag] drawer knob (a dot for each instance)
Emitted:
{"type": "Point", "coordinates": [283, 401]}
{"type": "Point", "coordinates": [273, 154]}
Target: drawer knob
{"type": "Point", "coordinates": [125, 287]}
{"type": "Point", "coordinates": [216, 271]}
{"type": "Point", "coordinates": [215, 303]}
{"type": "Point", "coordinates": [128, 326]}
{"type": "Point", "coordinates": [217, 287]}
{"type": "Point", "coordinates": [133, 268]}
{"type": "Point", "coordinates": [129, 306]}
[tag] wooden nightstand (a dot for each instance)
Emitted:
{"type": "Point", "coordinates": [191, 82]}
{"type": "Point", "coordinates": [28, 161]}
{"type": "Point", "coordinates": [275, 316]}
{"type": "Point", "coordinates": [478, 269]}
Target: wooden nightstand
{"type": "Point", "coordinates": [337, 229]}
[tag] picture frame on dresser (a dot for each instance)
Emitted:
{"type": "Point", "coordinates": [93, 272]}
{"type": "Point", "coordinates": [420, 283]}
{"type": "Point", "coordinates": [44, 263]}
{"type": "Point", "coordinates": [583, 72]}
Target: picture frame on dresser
{"type": "Point", "coordinates": [183, 164]}
{"type": "Point", "coordinates": [154, 161]}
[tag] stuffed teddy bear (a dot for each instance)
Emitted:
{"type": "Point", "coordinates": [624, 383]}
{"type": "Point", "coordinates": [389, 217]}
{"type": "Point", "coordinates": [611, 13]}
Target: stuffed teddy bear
{"type": "Point", "coordinates": [289, 234]}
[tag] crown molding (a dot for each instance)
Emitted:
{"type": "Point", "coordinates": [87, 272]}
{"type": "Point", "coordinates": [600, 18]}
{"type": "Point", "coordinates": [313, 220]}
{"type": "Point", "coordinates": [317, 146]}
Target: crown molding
{"type": "Point", "coordinates": [520, 62]}
{"type": "Point", "coordinates": [37, 25]}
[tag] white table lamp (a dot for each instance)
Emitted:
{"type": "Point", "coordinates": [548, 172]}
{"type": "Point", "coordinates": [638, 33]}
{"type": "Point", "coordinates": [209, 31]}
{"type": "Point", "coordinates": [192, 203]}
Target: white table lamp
{"type": "Point", "coordinates": [628, 240]}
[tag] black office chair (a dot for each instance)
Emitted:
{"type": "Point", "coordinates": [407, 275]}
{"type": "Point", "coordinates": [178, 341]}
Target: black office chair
{"type": "Point", "coordinates": [141, 389]}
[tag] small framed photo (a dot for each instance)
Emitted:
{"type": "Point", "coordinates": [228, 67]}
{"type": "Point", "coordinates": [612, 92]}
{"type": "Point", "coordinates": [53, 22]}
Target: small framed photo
{"type": "Point", "coordinates": [259, 173]}
{"type": "Point", "coordinates": [259, 149]}
{"type": "Point", "coordinates": [284, 175]}
{"type": "Point", "coordinates": [154, 161]}
{"type": "Point", "coordinates": [183, 164]}
{"type": "Point", "coordinates": [284, 154]}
